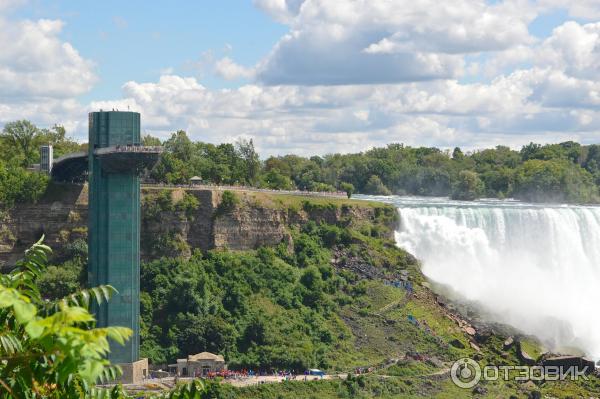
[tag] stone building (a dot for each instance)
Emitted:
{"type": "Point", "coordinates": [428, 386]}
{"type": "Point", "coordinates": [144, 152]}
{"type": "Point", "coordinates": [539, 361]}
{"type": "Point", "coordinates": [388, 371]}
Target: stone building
{"type": "Point", "coordinates": [199, 365]}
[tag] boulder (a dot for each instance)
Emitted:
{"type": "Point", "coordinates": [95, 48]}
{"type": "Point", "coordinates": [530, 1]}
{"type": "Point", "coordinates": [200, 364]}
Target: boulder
{"type": "Point", "coordinates": [469, 330]}
{"type": "Point", "coordinates": [508, 343]}
{"type": "Point", "coordinates": [526, 359]}
{"type": "Point", "coordinates": [457, 344]}
{"type": "Point", "coordinates": [528, 385]}
{"type": "Point", "coordinates": [534, 395]}
{"type": "Point", "coordinates": [435, 362]}
{"type": "Point", "coordinates": [440, 300]}
{"type": "Point", "coordinates": [483, 335]}
{"type": "Point", "coordinates": [570, 361]}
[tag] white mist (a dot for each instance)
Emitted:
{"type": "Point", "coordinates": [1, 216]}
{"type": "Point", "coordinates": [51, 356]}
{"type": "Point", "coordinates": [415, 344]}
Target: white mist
{"type": "Point", "coordinates": [534, 267]}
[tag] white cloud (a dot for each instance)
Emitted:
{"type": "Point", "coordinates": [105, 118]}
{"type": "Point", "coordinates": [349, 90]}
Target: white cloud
{"type": "Point", "coordinates": [573, 48]}
{"type": "Point", "coordinates": [35, 62]}
{"type": "Point", "coordinates": [40, 74]}
{"type": "Point", "coordinates": [378, 41]}
{"type": "Point", "coordinates": [10, 4]}
{"type": "Point", "coordinates": [337, 62]}
{"type": "Point", "coordinates": [585, 9]}
{"type": "Point", "coordinates": [229, 70]}
{"type": "Point", "coordinates": [281, 10]}
{"type": "Point", "coordinates": [512, 109]}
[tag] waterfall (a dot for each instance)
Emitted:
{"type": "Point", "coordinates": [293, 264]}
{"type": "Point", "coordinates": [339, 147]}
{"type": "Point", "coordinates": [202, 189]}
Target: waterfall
{"type": "Point", "coordinates": [535, 267]}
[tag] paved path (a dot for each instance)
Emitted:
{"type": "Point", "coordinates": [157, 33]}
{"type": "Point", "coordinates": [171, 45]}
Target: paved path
{"type": "Point", "coordinates": [244, 382]}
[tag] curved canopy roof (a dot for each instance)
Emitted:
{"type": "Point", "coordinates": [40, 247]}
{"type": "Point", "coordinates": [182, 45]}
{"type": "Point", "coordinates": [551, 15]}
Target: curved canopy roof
{"type": "Point", "coordinates": [74, 167]}
{"type": "Point", "coordinates": [71, 167]}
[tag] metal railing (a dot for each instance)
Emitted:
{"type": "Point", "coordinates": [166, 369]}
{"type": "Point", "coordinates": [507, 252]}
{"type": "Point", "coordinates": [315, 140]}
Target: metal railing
{"type": "Point", "coordinates": [335, 194]}
{"type": "Point", "coordinates": [128, 148]}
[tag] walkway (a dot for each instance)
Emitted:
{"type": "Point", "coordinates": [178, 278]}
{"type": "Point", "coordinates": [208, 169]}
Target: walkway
{"type": "Point", "coordinates": [337, 194]}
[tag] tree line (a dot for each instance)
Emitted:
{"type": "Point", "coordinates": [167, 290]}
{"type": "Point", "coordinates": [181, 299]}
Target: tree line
{"type": "Point", "coordinates": [564, 172]}
{"type": "Point", "coordinates": [19, 149]}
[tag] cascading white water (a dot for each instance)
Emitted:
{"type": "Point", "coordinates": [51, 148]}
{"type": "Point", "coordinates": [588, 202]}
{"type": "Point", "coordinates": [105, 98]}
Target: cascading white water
{"type": "Point", "coordinates": [536, 267]}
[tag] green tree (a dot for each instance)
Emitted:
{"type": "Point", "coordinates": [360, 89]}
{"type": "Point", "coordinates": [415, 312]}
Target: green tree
{"type": "Point", "coordinates": [554, 180]}
{"type": "Point", "coordinates": [180, 146]}
{"type": "Point", "coordinates": [60, 281]}
{"type": "Point", "coordinates": [51, 349]}
{"type": "Point", "coordinates": [250, 159]}
{"type": "Point", "coordinates": [468, 187]}
{"type": "Point", "coordinates": [348, 188]}
{"type": "Point", "coordinates": [375, 186]}
{"type": "Point", "coordinates": [18, 185]}
{"type": "Point", "coordinates": [321, 187]}
{"type": "Point", "coordinates": [20, 138]}
{"type": "Point", "coordinates": [275, 180]}
{"type": "Point", "coordinates": [457, 154]}
{"type": "Point", "coordinates": [57, 137]}
{"type": "Point", "coordinates": [151, 140]}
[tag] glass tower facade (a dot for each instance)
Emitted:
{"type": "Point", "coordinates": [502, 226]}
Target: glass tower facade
{"type": "Point", "coordinates": [114, 227]}
{"type": "Point", "coordinates": [46, 158]}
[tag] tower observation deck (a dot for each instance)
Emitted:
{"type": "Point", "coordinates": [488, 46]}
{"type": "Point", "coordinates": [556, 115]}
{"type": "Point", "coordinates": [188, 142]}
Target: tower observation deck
{"type": "Point", "coordinates": [116, 159]}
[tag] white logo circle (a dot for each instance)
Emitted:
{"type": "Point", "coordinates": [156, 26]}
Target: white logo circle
{"type": "Point", "coordinates": [465, 373]}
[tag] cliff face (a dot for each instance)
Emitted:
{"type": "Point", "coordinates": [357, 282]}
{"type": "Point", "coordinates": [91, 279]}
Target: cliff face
{"type": "Point", "coordinates": [61, 217]}
{"type": "Point", "coordinates": [262, 219]}
{"type": "Point", "coordinates": [168, 229]}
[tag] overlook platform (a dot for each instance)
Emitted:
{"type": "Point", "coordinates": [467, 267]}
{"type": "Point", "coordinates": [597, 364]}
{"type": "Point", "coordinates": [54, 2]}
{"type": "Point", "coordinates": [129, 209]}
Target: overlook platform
{"type": "Point", "coordinates": [117, 159]}
{"type": "Point", "coordinates": [73, 168]}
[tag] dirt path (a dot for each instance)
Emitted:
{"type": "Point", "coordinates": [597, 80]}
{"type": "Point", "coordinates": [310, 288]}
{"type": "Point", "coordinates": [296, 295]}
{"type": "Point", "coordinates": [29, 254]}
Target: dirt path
{"type": "Point", "coordinates": [244, 382]}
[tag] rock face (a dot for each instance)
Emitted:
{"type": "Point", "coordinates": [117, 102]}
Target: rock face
{"type": "Point", "coordinates": [249, 226]}
{"type": "Point", "coordinates": [59, 221]}
{"type": "Point", "coordinates": [253, 222]}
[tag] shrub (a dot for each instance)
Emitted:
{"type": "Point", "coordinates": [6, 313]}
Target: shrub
{"type": "Point", "coordinates": [229, 201]}
{"type": "Point", "coordinates": [50, 348]}
{"type": "Point", "coordinates": [469, 186]}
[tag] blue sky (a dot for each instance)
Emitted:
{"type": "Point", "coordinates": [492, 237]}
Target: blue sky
{"type": "Point", "coordinates": [310, 76]}
{"type": "Point", "coordinates": [136, 40]}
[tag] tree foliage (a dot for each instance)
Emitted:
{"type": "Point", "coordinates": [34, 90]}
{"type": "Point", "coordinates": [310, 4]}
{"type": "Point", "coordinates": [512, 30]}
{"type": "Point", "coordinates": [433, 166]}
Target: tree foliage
{"type": "Point", "coordinates": [553, 181]}
{"type": "Point", "coordinates": [395, 169]}
{"type": "Point", "coordinates": [18, 185]}
{"type": "Point", "coordinates": [468, 187]}
{"type": "Point", "coordinates": [20, 141]}
{"type": "Point", "coordinates": [263, 309]}
{"type": "Point", "coordinates": [51, 349]}
{"type": "Point", "coordinates": [572, 174]}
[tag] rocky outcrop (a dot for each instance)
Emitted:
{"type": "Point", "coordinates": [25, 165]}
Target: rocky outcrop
{"type": "Point", "coordinates": [249, 227]}
{"type": "Point", "coordinates": [61, 217]}
{"type": "Point", "coordinates": [578, 362]}
{"type": "Point", "coordinates": [257, 219]}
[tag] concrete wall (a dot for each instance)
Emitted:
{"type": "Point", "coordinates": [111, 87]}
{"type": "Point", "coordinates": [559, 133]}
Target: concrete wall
{"type": "Point", "coordinates": [134, 373]}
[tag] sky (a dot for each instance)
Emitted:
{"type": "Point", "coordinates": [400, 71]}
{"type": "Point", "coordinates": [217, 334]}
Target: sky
{"type": "Point", "coordinates": [310, 76]}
